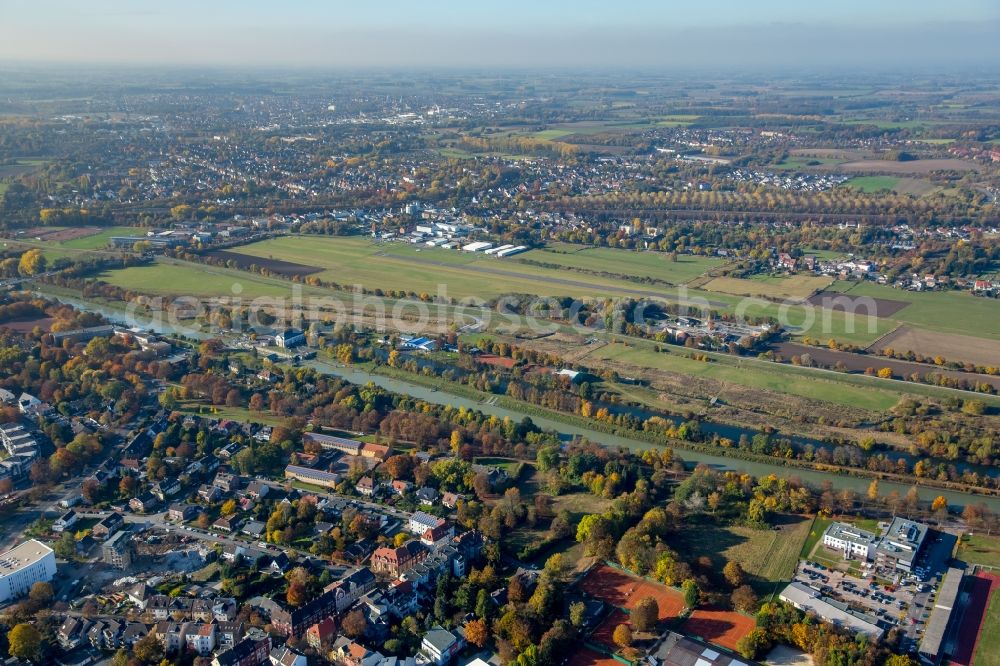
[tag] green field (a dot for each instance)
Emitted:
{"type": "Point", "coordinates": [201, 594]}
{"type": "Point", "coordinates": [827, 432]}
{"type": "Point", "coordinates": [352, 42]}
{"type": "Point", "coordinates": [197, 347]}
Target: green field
{"type": "Point", "coordinates": [771, 377]}
{"type": "Point", "coordinates": [946, 311]}
{"type": "Point", "coordinates": [869, 184]}
{"type": "Point", "coordinates": [988, 649]}
{"type": "Point", "coordinates": [765, 286]}
{"type": "Point", "coordinates": [768, 556]}
{"type": "Point", "coordinates": [655, 265]}
{"type": "Point", "coordinates": [980, 549]}
{"type": "Point", "coordinates": [178, 278]}
{"type": "Point", "coordinates": [357, 260]}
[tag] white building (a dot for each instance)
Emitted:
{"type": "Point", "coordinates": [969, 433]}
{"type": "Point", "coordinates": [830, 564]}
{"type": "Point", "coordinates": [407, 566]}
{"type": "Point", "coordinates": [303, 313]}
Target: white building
{"type": "Point", "coordinates": [24, 565]}
{"type": "Point", "coordinates": [854, 543]}
{"type": "Point", "coordinates": [420, 522]}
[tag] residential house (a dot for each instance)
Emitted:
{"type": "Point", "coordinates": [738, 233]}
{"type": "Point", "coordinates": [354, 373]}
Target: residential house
{"type": "Point", "coordinates": [227, 483]}
{"type": "Point", "coordinates": [322, 633]}
{"type": "Point", "coordinates": [253, 650]}
{"type": "Point", "coordinates": [64, 522]}
{"type": "Point", "coordinates": [107, 526]}
{"type": "Point", "coordinates": [182, 512]}
{"type": "Point", "coordinates": [366, 486]}
{"type": "Point", "coordinates": [286, 656]}
{"type": "Point", "coordinates": [227, 523]}
{"type": "Point", "coordinates": [210, 494]}
{"type": "Point", "coordinates": [401, 487]}
{"type": "Point", "coordinates": [257, 489]}
{"type": "Point", "coordinates": [143, 503]}
{"type": "Point", "coordinates": [351, 588]}
{"type": "Point", "coordinates": [428, 496]}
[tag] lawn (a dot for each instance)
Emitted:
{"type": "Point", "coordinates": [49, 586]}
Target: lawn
{"type": "Point", "coordinates": [769, 377]}
{"type": "Point", "coordinates": [768, 556]}
{"type": "Point", "coordinates": [816, 530]}
{"type": "Point", "coordinates": [869, 184]}
{"type": "Point", "coordinates": [240, 414]}
{"type": "Point", "coordinates": [655, 265]}
{"type": "Point", "coordinates": [980, 549]}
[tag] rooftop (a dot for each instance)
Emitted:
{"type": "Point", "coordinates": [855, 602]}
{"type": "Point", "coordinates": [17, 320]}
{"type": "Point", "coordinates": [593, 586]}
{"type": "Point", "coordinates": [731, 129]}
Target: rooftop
{"type": "Point", "coordinates": [22, 555]}
{"type": "Point", "coordinates": [937, 626]}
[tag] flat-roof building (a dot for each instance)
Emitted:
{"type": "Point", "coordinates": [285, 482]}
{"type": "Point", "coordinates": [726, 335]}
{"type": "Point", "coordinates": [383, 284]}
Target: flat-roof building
{"type": "Point", "coordinates": [901, 544]}
{"type": "Point", "coordinates": [850, 540]}
{"type": "Point", "coordinates": [937, 627]}
{"type": "Point", "coordinates": [24, 565]}
{"type": "Point", "coordinates": [809, 599]}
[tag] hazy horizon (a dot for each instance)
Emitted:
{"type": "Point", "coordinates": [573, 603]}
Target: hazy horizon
{"type": "Point", "coordinates": [514, 34]}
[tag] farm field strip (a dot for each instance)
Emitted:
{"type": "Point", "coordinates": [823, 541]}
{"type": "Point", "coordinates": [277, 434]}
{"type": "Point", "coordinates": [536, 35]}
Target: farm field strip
{"type": "Point", "coordinates": [768, 378]}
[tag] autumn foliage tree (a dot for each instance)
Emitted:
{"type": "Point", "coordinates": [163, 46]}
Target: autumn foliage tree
{"type": "Point", "coordinates": [622, 636]}
{"type": "Point", "coordinates": [476, 632]}
{"type": "Point", "coordinates": [644, 614]}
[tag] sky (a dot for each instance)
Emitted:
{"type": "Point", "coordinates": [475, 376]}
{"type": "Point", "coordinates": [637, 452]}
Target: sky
{"type": "Point", "coordinates": [514, 33]}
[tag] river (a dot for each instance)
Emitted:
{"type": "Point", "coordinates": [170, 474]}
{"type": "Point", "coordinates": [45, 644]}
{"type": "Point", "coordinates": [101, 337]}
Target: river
{"type": "Point", "coordinates": [360, 376]}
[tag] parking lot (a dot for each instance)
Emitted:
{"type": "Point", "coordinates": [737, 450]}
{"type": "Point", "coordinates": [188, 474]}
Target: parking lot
{"type": "Point", "coordinates": [904, 603]}
{"type": "Point", "coordinates": [887, 604]}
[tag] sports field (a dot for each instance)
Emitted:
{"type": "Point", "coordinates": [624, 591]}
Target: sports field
{"type": "Point", "coordinates": [584, 656]}
{"type": "Point", "coordinates": [722, 627]}
{"type": "Point", "coordinates": [624, 590]}
{"type": "Point", "coordinates": [604, 632]}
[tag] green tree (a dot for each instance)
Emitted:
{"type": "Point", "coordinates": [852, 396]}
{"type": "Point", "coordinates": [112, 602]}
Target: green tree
{"type": "Point", "coordinates": [691, 592]}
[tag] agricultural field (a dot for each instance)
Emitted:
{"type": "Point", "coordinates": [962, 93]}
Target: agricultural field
{"type": "Point", "coordinates": [952, 312]}
{"type": "Point", "coordinates": [795, 287]}
{"type": "Point", "coordinates": [776, 378]}
{"type": "Point", "coordinates": [870, 184]}
{"type": "Point", "coordinates": [767, 556]}
{"type": "Point", "coordinates": [101, 238]}
{"type": "Point", "coordinates": [919, 167]}
{"type": "Point", "coordinates": [915, 186]}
